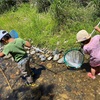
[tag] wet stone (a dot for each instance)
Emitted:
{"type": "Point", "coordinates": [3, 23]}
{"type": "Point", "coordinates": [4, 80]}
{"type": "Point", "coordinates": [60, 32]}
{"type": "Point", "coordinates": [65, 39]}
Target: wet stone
{"type": "Point", "coordinates": [49, 65]}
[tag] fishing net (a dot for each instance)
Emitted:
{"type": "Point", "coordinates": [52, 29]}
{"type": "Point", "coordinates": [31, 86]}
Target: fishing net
{"type": "Point", "coordinates": [74, 58]}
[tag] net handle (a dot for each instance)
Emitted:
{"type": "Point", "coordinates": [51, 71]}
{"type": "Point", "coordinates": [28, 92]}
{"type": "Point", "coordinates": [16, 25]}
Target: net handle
{"type": "Point", "coordinates": [94, 29]}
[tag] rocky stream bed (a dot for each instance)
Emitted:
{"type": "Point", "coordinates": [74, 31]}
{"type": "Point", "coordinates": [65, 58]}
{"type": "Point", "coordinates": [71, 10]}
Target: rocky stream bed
{"type": "Point", "coordinates": [55, 82]}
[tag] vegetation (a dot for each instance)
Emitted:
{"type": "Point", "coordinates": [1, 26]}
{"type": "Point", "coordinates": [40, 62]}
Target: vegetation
{"type": "Point", "coordinates": [50, 23]}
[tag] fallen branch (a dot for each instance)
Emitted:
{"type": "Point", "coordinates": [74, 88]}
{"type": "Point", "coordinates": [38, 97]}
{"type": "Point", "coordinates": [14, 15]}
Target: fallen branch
{"type": "Point", "coordinates": [5, 78]}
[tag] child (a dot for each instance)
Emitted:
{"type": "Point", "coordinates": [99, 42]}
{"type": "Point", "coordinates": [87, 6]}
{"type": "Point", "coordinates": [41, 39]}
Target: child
{"type": "Point", "coordinates": [16, 48]}
{"type": "Point", "coordinates": [91, 46]}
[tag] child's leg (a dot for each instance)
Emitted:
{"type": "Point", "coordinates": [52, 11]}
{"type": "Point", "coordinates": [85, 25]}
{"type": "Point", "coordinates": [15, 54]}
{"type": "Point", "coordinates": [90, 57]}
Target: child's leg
{"type": "Point", "coordinates": [29, 73]}
{"type": "Point", "coordinates": [93, 71]}
{"type": "Point", "coordinates": [92, 74]}
{"type": "Point", "coordinates": [25, 70]}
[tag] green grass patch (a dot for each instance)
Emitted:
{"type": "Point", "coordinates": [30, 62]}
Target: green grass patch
{"type": "Point", "coordinates": [42, 28]}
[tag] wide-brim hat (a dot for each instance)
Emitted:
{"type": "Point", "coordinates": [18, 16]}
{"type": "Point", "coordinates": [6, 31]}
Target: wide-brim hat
{"type": "Point", "coordinates": [82, 35]}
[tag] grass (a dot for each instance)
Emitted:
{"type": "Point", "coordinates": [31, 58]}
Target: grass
{"type": "Point", "coordinates": [41, 28]}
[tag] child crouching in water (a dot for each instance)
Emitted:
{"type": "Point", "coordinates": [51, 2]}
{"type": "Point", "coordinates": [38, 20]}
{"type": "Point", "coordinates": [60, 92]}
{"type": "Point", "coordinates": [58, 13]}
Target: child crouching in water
{"type": "Point", "coordinates": [16, 48]}
{"type": "Point", "coordinates": [91, 46]}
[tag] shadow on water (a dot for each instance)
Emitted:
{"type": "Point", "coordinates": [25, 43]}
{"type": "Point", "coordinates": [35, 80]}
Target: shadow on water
{"type": "Point", "coordinates": [42, 92]}
{"type": "Point", "coordinates": [37, 73]}
{"type": "Point", "coordinates": [42, 66]}
{"type": "Point", "coordinates": [85, 66]}
{"type": "Point", "coordinates": [45, 68]}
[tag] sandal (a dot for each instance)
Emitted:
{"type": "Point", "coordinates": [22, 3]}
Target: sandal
{"type": "Point", "coordinates": [31, 84]}
{"type": "Point", "coordinates": [98, 73]}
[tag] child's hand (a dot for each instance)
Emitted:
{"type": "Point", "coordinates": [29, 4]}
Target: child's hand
{"type": "Point", "coordinates": [97, 28]}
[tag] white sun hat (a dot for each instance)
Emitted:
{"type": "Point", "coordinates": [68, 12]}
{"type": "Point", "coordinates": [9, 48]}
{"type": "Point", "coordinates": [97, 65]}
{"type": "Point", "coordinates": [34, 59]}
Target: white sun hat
{"type": "Point", "coordinates": [2, 33]}
{"type": "Point", "coordinates": [82, 35]}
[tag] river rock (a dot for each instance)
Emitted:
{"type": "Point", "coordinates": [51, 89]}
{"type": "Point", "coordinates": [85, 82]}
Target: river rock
{"type": "Point", "coordinates": [49, 58]}
{"type": "Point", "coordinates": [61, 60]}
{"type": "Point", "coordinates": [56, 57]}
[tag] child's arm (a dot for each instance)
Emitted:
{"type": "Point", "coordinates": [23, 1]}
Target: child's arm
{"type": "Point", "coordinates": [97, 28]}
{"type": "Point", "coordinates": [28, 44]}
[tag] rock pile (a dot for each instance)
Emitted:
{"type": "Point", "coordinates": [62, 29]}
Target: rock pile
{"type": "Point", "coordinates": [43, 54]}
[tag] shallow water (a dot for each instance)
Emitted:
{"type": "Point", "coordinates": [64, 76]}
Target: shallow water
{"type": "Point", "coordinates": [64, 85]}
